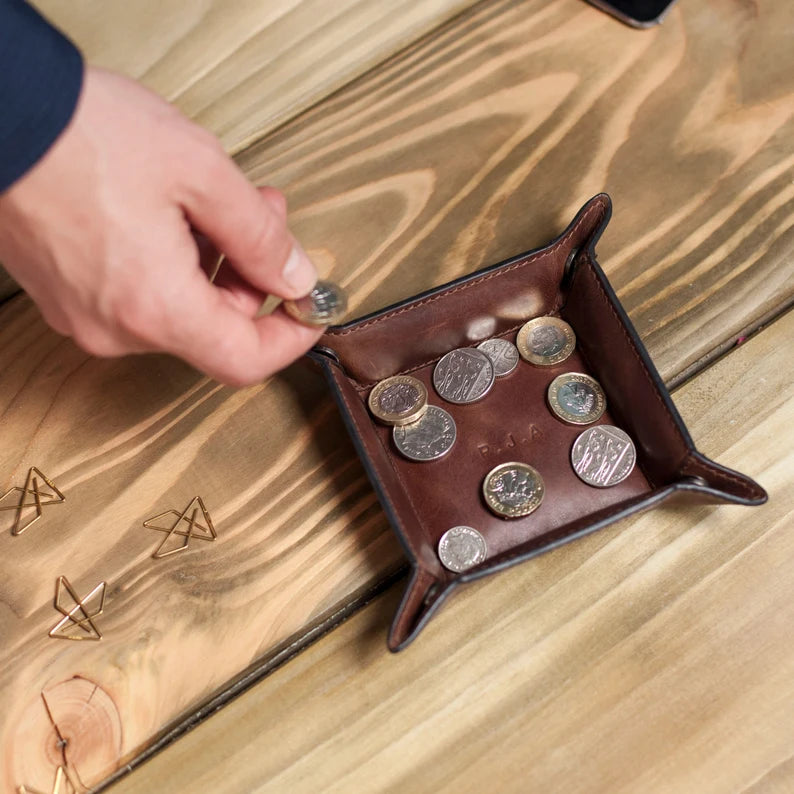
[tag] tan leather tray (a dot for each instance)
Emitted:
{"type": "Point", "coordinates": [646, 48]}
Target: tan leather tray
{"type": "Point", "coordinates": [513, 422]}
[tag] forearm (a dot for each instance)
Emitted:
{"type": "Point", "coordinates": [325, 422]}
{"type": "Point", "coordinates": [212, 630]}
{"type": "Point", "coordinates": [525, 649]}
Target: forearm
{"type": "Point", "coordinates": [41, 74]}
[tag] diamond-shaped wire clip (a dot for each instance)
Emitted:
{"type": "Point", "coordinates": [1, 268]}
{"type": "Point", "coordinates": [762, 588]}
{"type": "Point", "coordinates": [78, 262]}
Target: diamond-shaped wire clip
{"type": "Point", "coordinates": [81, 615]}
{"type": "Point", "coordinates": [205, 531]}
{"type": "Point", "coordinates": [31, 495]}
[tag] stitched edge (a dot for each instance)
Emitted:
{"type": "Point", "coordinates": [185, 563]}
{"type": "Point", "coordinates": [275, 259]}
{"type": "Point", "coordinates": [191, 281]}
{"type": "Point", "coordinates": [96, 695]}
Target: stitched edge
{"type": "Point", "coordinates": [544, 252]}
{"type": "Point", "coordinates": [406, 491]}
{"type": "Point", "coordinates": [365, 386]}
{"type": "Point", "coordinates": [638, 505]}
{"type": "Point", "coordinates": [689, 455]}
{"type": "Point", "coordinates": [693, 463]}
{"type": "Point", "coordinates": [670, 418]}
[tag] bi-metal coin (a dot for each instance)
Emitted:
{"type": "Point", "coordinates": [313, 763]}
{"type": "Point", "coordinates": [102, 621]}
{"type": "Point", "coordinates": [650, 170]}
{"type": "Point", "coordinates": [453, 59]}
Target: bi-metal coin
{"type": "Point", "coordinates": [398, 400]}
{"type": "Point", "coordinates": [326, 304]}
{"type": "Point", "coordinates": [603, 456]}
{"type": "Point", "coordinates": [461, 548]}
{"type": "Point", "coordinates": [545, 341]}
{"type": "Point", "coordinates": [463, 375]}
{"type": "Point", "coordinates": [576, 398]}
{"type": "Point", "coordinates": [512, 490]}
{"type": "Point", "coordinates": [430, 438]}
{"type": "Point", "coordinates": [503, 355]}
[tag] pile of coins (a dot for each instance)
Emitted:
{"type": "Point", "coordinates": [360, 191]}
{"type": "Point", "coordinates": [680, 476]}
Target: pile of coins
{"type": "Point", "coordinates": [601, 456]}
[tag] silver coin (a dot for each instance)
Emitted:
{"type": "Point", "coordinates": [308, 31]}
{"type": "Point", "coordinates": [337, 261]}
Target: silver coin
{"type": "Point", "coordinates": [461, 548]}
{"type": "Point", "coordinates": [603, 456]}
{"type": "Point", "coordinates": [429, 438]}
{"type": "Point", "coordinates": [464, 375]}
{"type": "Point", "coordinates": [326, 304]}
{"type": "Point", "coordinates": [503, 355]}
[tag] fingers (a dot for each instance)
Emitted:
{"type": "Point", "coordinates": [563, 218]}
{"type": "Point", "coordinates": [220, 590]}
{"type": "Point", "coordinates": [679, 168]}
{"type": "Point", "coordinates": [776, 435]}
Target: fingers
{"type": "Point", "coordinates": [228, 344]}
{"type": "Point", "coordinates": [237, 292]}
{"type": "Point", "coordinates": [247, 225]}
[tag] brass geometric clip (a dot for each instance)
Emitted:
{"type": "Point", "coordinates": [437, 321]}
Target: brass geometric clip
{"type": "Point", "coordinates": [204, 531]}
{"type": "Point", "coordinates": [81, 615]}
{"type": "Point", "coordinates": [41, 498]}
{"type": "Point", "coordinates": [61, 785]}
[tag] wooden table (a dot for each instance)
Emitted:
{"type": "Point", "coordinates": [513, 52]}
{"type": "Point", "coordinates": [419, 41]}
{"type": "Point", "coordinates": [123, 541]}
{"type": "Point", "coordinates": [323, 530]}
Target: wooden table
{"type": "Point", "coordinates": [656, 655]}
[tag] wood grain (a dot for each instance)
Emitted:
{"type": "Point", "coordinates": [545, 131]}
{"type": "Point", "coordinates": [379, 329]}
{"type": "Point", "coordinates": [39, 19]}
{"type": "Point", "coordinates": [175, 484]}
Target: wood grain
{"type": "Point", "coordinates": [654, 656]}
{"type": "Point", "coordinates": [243, 67]}
{"type": "Point", "coordinates": [485, 139]}
{"type": "Point", "coordinates": [477, 143]}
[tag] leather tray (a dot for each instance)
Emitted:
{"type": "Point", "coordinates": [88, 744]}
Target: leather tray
{"type": "Point", "coordinates": [513, 422]}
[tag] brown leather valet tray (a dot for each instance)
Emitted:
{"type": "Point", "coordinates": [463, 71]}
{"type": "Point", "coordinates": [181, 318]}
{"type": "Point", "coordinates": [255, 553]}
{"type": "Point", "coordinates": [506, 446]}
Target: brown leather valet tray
{"type": "Point", "coordinates": [513, 422]}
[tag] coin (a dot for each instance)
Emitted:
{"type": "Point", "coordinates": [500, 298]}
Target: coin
{"type": "Point", "coordinates": [463, 375]}
{"type": "Point", "coordinates": [429, 438]}
{"type": "Point", "coordinates": [576, 398]}
{"type": "Point", "coordinates": [398, 400]}
{"type": "Point", "coordinates": [513, 489]}
{"type": "Point", "coordinates": [545, 341]}
{"type": "Point", "coordinates": [603, 456]}
{"type": "Point", "coordinates": [326, 304]}
{"type": "Point", "coordinates": [503, 355]}
{"type": "Point", "coordinates": [461, 548]}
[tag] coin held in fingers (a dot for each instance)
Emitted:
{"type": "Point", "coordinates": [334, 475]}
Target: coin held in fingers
{"type": "Point", "coordinates": [326, 304]}
{"type": "Point", "coordinates": [398, 400]}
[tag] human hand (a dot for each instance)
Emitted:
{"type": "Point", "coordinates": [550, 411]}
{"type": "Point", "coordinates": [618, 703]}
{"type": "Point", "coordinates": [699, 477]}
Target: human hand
{"type": "Point", "coordinates": [100, 234]}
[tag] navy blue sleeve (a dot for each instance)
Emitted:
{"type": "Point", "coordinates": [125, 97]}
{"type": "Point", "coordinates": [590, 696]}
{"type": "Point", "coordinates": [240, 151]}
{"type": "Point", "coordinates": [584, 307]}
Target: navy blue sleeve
{"type": "Point", "coordinates": [41, 73]}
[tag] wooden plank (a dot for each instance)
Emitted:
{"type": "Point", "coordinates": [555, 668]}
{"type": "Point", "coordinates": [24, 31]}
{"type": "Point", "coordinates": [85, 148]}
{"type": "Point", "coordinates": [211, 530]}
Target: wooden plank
{"type": "Point", "coordinates": [654, 656]}
{"type": "Point", "coordinates": [485, 140]}
{"type": "Point", "coordinates": [125, 440]}
{"type": "Point", "coordinates": [474, 145]}
{"type": "Point", "coordinates": [242, 67]}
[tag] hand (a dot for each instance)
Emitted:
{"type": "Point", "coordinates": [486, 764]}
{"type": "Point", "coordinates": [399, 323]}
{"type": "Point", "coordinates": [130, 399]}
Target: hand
{"type": "Point", "coordinates": [100, 234]}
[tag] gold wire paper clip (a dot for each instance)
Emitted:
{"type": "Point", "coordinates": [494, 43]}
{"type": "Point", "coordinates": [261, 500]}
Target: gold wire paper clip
{"type": "Point", "coordinates": [40, 498]}
{"type": "Point", "coordinates": [81, 615]}
{"type": "Point", "coordinates": [61, 784]}
{"type": "Point", "coordinates": [204, 531]}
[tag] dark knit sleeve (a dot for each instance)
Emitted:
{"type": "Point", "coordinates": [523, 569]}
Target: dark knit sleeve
{"type": "Point", "coordinates": [41, 73]}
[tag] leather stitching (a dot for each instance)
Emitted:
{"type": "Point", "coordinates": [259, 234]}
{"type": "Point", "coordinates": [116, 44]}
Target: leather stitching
{"type": "Point", "coordinates": [473, 283]}
{"type": "Point", "coordinates": [602, 522]}
{"type": "Point", "coordinates": [407, 492]}
{"type": "Point", "coordinates": [689, 459]}
{"type": "Point", "coordinates": [364, 386]}
{"type": "Point", "coordinates": [693, 463]}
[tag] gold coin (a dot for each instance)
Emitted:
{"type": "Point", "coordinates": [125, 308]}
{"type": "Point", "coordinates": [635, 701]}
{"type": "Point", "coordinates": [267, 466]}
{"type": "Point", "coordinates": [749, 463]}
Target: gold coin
{"type": "Point", "coordinates": [398, 401]}
{"type": "Point", "coordinates": [326, 304]}
{"type": "Point", "coordinates": [576, 398]}
{"type": "Point", "coordinates": [512, 490]}
{"type": "Point", "coordinates": [545, 341]}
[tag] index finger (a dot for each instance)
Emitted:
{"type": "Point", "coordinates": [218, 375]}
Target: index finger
{"type": "Point", "coordinates": [231, 346]}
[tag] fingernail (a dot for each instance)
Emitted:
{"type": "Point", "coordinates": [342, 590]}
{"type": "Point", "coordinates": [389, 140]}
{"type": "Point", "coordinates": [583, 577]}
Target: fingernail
{"type": "Point", "coordinates": [299, 271]}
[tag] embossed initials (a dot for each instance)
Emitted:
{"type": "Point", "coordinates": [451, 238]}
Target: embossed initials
{"type": "Point", "coordinates": [512, 440]}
